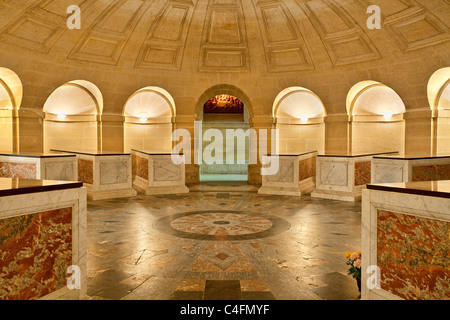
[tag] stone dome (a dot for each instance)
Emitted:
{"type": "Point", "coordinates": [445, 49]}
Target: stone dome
{"type": "Point", "coordinates": [258, 47]}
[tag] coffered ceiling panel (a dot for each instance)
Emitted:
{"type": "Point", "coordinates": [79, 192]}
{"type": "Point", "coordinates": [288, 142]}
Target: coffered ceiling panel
{"type": "Point", "coordinates": [223, 35]}
{"type": "Point", "coordinates": [105, 41]}
{"type": "Point", "coordinates": [224, 42]}
{"type": "Point", "coordinates": [283, 42]}
{"type": "Point", "coordinates": [342, 37]}
{"type": "Point", "coordinates": [410, 24]}
{"type": "Point", "coordinates": [165, 43]}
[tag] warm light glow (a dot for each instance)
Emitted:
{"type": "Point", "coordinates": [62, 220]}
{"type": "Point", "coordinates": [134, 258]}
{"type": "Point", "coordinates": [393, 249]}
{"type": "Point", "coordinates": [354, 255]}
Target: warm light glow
{"type": "Point", "coordinates": [388, 115]}
{"type": "Point", "coordinates": [75, 98]}
{"type": "Point", "coordinates": [62, 115]}
{"type": "Point", "coordinates": [150, 104]}
{"type": "Point", "coordinates": [439, 89]}
{"type": "Point", "coordinates": [10, 90]}
{"type": "Point", "coordinates": [298, 103]}
{"type": "Point", "coordinates": [371, 98]}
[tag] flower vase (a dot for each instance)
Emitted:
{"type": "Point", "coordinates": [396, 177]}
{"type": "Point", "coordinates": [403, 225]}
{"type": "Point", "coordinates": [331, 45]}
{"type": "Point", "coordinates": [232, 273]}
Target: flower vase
{"type": "Point", "coordinates": [358, 282]}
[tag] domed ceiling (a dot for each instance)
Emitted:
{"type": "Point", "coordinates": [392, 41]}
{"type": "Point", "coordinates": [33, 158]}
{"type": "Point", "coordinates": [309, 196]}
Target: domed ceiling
{"type": "Point", "coordinates": [259, 46]}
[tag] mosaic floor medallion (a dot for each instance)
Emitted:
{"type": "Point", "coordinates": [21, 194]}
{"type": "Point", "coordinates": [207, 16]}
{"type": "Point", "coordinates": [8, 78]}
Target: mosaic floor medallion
{"type": "Point", "coordinates": [221, 225]}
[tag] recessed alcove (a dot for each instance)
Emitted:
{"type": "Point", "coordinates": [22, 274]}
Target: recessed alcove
{"type": "Point", "coordinates": [220, 115]}
{"type": "Point", "coordinates": [73, 117]}
{"type": "Point", "coordinates": [299, 115]}
{"type": "Point", "coordinates": [439, 98]}
{"type": "Point", "coordinates": [149, 115]}
{"type": "Point", "coordinates": [11, 92]}
{"type": "Point", "coordinates": [376, 120]}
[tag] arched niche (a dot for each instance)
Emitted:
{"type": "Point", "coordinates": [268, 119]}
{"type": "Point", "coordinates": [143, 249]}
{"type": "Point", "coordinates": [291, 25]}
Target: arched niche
{"type": "Point", "coordinates": [73, 117]}
{"type": "Point", "coordinates": [149, 116]}
{"type": "Point", "coordinates": [439, 90]}
{"type": "Point", "coordinates": [299, 116]}
{"type": "Point", "coordinates": [375, 100]}
{"type": "Point", "coordinates": [223, 89]}
{"type": "Point", "coordinates": [439, 98]}
{"type": "Point", "coordinates": [11, 92]}
{"type": "Point", "coordinates": [220, 123]}
{"type": "Point", "coordinates": [376, 118]}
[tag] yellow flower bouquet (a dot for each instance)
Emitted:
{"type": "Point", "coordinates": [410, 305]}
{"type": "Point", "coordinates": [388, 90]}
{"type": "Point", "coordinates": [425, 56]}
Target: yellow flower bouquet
{"type": "Point", "coordinates": [354, 261]}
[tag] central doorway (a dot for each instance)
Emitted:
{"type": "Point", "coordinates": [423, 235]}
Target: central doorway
{"type": "Point", "coordinates": [222, 112]}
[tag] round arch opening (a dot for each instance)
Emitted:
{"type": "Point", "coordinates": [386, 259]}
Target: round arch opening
{"type": "Point", "coordinates": [438, 90]}
{"type": "Point", "coordinates": [299, 116]}
{"type": "Point", "coordinates": [74, 98]}
{"type": "Point", "coordinates": [439, 98]}
{"type": "Point", "coordinates": [376, 119]}
{"type": "Point", "coordinates": [371, 98]}
{"type": "Point", "coordinates": [149, 115]}
{"type": "Point", "coordinates": [73, 117]}
{"type": "Point", "coordinates": [225, 113]}
{"type": "Point", "coordinates": [11, 92]}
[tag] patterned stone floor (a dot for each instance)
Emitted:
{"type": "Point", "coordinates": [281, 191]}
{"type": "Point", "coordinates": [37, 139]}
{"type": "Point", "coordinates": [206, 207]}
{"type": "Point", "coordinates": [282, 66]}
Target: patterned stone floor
{"type": "Point", "coordinates": [222, 241]}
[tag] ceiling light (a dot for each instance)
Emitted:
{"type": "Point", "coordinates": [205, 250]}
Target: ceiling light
{"type": "Point", "coordinates": [304, 118]}
{"type": "Point", "coordinates": [388, 115]}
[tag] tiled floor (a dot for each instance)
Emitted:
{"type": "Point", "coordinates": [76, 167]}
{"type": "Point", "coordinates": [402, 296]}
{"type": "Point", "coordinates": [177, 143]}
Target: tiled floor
{"type": "Point", "coordinates": [221, 241]}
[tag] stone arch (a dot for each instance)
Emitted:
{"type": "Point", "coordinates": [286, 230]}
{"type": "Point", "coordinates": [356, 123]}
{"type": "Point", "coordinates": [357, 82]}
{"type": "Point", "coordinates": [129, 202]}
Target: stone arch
{"type": "Point", "coordinates": [376, 114]}
{"type": "Point", "coordinates": [87, 99]}
{"type": "Point", "coordinates": [149, 116]}
{"type": "Point", "coordinates": [372, 98]}
{"type": "Point", "coordinates": [225, 171]}
{"type": "Point", "coordinates": [222, 89]}
{"type": "Point", "coordinates": [298, 102]}
{"type": "Point", "coordinates": [11, 90]}
{"type": "Point", "coordinates": [165, 104]}
{"type": "Point", "coordinates": [73, 114]}
{"type": "Point", "coordinates": [438, 89]}
{"type": "Point", "coordinates": [298, 115]}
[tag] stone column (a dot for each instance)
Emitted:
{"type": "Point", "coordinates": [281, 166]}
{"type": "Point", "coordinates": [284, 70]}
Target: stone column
{"type": "Point", "coordinates": [337, 133]}
{"type": "Point", "coordinates": [258, 123]}
{"type": "Point", "coordinates": [419, 129]}
{"type": "Point", "coordinates": [110, 132]}
{"type": "Point", "coordinates": [29, 131]}
{"type": "Point", "coordinates": [192, 170]}
{"type": "Point", "coordinates": [441, 132]}
{"type": "Point", "coordinates": [8, 137]}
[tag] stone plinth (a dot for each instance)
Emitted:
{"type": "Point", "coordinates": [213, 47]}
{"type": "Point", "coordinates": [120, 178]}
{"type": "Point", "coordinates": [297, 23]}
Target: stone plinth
{"type": "Point", "coordinates": [43, 233]}
{"type": "Point", "coordinates": [404, 168]}
{"type": "Point", "coordinates": [156, 173]}
{"type": "Point", "coordinates": [405, 235]}
{"type": "Point", "coordinates": [342, 176]}
{"type": "Point", "coordinates": [105, 175]}
{"type": "Point", "coordinates": [39, 166]}
{"type": "Point", "coordinates": [295, 177]}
